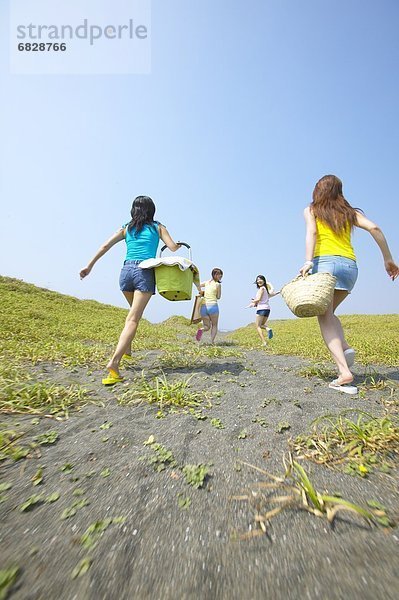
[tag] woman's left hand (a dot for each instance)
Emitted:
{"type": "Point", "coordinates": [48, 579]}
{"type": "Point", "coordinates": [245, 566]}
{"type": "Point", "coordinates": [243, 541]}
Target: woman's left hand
{"type": "Point", "coordinates": [392, 269]}
{"type": "Point", "coordinates": [84, 272]}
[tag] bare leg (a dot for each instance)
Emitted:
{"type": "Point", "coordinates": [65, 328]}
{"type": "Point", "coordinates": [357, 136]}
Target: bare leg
{"type": "Point", "coordinates": [214, 326]}
{"type": "Point", "coordinates": [129, 298]}
{"type": "Point", "coordinates": [140, 301]}
{"type": "Point", "coordinates": [339, 296]}
{"type": "Point", "coordinates": [260, 324]}
{"type": "Point", "coordinates": [331, 330]}
{"type": "Point", "coordinates": [206, 324]}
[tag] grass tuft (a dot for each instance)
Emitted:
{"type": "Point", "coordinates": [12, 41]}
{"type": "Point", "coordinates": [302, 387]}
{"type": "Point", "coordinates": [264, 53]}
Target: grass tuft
{"type": "Point", "coordinates": [295, 491]}
{"type": "Point", "coordinates": [20, 393]}
{"type": "Point", "coordinates": [166, 394]}
{"type": "Point", "coordinates": [361, 443]}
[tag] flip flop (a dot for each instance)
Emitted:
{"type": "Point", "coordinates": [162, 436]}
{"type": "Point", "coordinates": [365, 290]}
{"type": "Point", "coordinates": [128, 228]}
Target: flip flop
{"type": "Point", "coordinates": [270, 333]}
{"type": "Point", "coordinates": [350, 355]}
{"type": "Point", "coordinates": [345, 388]}
{"type": "Point", "coordinates": [113, 377]}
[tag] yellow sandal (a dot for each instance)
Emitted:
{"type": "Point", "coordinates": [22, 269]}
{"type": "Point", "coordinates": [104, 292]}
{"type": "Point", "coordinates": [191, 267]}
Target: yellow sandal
{"type": "Point", "coordinates": [113, 377]}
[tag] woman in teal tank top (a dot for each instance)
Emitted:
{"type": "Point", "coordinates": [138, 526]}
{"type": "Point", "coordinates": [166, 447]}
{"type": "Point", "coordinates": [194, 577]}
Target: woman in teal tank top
{"type": "Point", "coordinates": [142, 235]}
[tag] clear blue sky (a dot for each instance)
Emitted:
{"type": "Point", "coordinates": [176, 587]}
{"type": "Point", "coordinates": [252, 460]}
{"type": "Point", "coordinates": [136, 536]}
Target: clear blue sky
{"type": "Point", "coordinates": [247, 105]}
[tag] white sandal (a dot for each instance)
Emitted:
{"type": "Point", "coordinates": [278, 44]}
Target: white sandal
{"type": "Point", "coordinates": [345, 388]}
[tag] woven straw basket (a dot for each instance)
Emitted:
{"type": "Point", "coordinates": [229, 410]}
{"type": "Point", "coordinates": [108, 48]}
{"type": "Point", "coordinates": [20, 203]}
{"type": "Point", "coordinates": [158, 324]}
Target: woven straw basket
{"type": "Point", "coordinates": [309, 296]}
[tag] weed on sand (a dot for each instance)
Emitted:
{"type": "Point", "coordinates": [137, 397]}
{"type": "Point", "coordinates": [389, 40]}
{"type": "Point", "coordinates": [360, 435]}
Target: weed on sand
{"type": "Point", "coordinates": [21, 393]}
{"type": "Point", "coordinates": [294, 490]}
{"type": "Point", "coordinates": [354, 440]}
{"type": "Point", "coordinates": [168, 394]}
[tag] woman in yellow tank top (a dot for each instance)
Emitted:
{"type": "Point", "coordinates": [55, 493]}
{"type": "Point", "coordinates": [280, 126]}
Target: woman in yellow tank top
{"type": "Point", "coordinates": [330, 220]}
{"type": "Point", "coordinates": [209, 308]}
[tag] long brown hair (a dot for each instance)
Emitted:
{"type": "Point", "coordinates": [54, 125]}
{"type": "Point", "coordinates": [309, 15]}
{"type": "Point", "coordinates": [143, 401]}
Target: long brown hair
{"type": "Point", "coordinates": [142, 213]}
{"type": "Point", "coordinates": [330, 206]}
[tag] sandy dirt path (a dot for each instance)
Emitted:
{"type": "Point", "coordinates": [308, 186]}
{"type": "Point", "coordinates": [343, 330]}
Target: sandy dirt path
{"type": "Point", "coordinates": [175, 541]}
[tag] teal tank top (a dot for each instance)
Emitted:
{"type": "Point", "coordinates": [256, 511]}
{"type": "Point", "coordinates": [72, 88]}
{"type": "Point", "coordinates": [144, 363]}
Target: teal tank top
{"type": "Point", "coordinates": [143, 245]}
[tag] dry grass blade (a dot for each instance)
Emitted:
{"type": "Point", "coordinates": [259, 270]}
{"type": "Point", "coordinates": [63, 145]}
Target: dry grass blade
{"type": "Point", "coordinates": [264, 485]}
{"type": "Point", "coordinates": [266, 503]}
{"type": "Point", "coordinates": [272, 513]}
{"type": "Point", "coordinates": [251, 534]}
{"type": "Point", "coordinates": [332, 512]}
{"type": "Point", "coordinates": [279, 479]}
{"type": "Point", "coordinates": [345, 504]}
{"type": "Point", "coordinates": [284, 499]}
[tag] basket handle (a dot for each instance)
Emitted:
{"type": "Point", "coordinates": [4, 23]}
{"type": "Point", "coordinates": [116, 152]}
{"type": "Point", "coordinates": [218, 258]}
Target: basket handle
{"type": "Point", "coordinates": [181, 244]}
{"type": "Point", "coordinates": [297, 278]}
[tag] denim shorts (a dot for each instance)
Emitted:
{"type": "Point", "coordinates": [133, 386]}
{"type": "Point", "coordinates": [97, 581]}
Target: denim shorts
{"type": "Point", "coordinates": [344, 269]}
{"type": "Point", "coordinates": [208, 310]}
{"type": "Point", "coordinates": [133, 278]}
{"type": "Point", "coordinates": [263, 312]}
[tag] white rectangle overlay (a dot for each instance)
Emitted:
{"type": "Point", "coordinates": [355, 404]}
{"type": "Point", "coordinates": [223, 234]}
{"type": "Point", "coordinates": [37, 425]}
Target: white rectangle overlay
{"type": "Point", "coordinates": [57, 37]}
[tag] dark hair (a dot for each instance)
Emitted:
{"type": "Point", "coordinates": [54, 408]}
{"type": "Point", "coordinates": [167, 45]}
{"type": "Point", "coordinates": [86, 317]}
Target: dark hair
{"type": "Point", "coordinates": [330, 206]}
{"type": "Point", "coordinates": [215, 271]}
{"type": "Point", "coordinates": [264, 279]}
{"type": "Point", "coordinates": [143, 211]}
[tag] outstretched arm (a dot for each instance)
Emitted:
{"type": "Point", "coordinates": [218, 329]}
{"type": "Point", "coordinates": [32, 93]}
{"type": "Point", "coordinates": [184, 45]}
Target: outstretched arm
{"type": "Point", "coordinates": [390, 266]}
{"type": "Point", "coordinates": [166, 238]}
{"type": "Point", "coordinates": [310, 240]}
{"type": "Point", "coordinates": [117, 237]}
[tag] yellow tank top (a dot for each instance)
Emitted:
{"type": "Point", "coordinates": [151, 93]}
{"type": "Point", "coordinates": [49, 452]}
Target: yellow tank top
{"type": "Point", "coordinates": [330, 243]}
{"type": "Point", "coordinates": [210, 292]}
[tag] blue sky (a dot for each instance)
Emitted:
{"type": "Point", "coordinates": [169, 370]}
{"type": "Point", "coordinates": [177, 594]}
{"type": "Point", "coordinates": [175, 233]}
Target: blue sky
{"type": "Point", "coordinates": [247, 105]}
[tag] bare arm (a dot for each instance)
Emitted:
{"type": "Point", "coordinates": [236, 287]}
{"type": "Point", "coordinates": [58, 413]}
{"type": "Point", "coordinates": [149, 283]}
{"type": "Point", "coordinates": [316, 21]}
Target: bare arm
{"type": "Point", "coordinates": [117, 237]}
{"type": "Point", "coordinates": [310, 240]}
{"type": "Point", "coordinates": [218, 291]}
{"type": "Point", "coordinates": [166, 238]}
{"type": "Point", "coordinates": [390, 266]}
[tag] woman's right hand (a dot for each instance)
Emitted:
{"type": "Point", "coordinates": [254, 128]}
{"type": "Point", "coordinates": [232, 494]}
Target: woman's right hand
{"type": "Point", "coordinates": [306, 268]}
{"type": "Point", "coordinates": [392, 269]}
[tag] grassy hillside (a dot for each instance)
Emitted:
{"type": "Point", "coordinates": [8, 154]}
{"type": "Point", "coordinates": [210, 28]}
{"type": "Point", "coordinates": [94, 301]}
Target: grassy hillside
{"type": "Point", "coordinates": [375, 337]}
{"type": "Point", "coordinates": [40, 325]}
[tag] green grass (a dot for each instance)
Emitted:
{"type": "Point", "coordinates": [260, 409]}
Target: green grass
{"type": "Point", "coordinates": [375, 338]}
{"type": "Point", "coordinates": [41, 325]}
{"type": "Point", "coordinates": [357, 441]}
{"type": "Point", "coordinates": [165, 393]}
{"type": "Point", "coordinates": [21, 393]}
